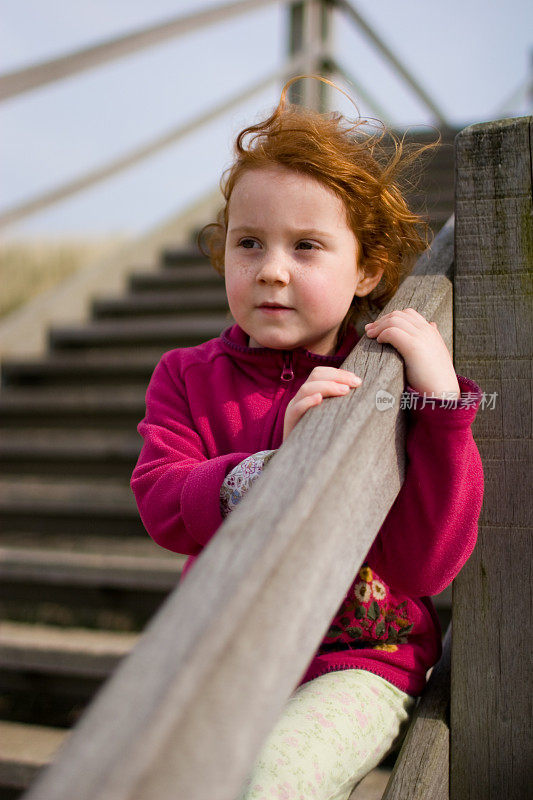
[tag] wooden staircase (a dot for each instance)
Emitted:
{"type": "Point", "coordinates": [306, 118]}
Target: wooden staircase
{"type": "Point", "coordinates": [79, 575]}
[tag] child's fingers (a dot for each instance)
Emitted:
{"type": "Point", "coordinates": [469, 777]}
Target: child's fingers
{"type": "Point", "coordinates": [334, 374]}
{"type": "Point", "coordinates": [418, 318]}
{"type": "Point", "coordinates": [400, 338]}
{"type": "Point", "coordinates": [322, 388]}
{"type": "Point", "coordinates": [386, 325]}
{"type": "Point", "coordinates": [406, 315]}
{"type": "Point", "coordinates": [389, 330]}
{"type": "Point", "coordinates": [415, 316]}
{"type": "Point", "coordinates": [310, 394]}
{"type": "Point", "coordinates": [326, 388]}
{"type": "Point", "coordinates": [296, 410]}
{"type": "Point", "coordinates": [310, 400]}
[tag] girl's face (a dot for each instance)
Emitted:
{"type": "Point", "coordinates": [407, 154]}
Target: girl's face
{"type": "Point", "coordinates": [288, 243]}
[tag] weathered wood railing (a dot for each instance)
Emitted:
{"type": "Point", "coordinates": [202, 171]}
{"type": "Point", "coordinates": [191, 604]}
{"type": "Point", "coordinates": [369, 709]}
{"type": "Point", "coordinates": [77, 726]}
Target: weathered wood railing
{"type": "Point", "coordinates": [186, 713]}
{"type": "Point", "coordinates": [188, 710]}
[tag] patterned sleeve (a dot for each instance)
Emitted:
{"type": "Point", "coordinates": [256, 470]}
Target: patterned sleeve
{"type": "Point", "coordinates": [238, 481]}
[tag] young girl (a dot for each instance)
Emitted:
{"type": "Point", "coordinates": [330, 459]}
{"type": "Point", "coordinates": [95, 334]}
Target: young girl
{"type": "Point", "coordinates": [315, 236]}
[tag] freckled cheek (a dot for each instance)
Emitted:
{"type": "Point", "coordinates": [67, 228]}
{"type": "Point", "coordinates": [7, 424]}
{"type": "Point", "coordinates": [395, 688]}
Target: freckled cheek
{"type": "Point", "coordinates": [237, 289]}
{"type": "Point", "coordinates": [331, 312]}
{"type": "Point", "coordinates": [326, 300]}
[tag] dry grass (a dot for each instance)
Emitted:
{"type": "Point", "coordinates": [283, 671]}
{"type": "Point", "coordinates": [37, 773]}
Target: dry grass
{"type": "Point", "coordinates": [29, 267]}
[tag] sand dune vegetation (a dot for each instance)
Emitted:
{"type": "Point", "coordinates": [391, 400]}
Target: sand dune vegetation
{"type": "Point", "coordinates": [31, 266]}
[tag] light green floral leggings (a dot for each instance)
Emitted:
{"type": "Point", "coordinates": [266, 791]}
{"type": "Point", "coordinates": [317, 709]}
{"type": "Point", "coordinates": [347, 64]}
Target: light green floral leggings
{"type": "Point", "coordinates": [333, 730]}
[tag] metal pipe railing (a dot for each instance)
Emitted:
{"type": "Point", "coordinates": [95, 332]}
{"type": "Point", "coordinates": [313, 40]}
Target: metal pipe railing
{"type": "Point", "coordinates": [351, 13]}
{"type": "Point", "coordinates": [118, 165]}
{"type": "Point", "coordinates": [340, 70]}
{"type": "Point", "coordinates": [310, 26]}
{"type": "Point", "coordinates": [309, 43]}
{"type": "Point", "coordinates": [15, 83]}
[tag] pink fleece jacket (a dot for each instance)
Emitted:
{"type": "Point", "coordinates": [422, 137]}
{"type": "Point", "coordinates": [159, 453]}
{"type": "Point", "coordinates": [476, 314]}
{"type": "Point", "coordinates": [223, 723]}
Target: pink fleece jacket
{"type": "Point", "coordinates": [211, 406]}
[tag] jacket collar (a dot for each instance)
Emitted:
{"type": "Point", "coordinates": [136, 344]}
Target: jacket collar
{"type": "Point", "coordinates": [288, 362]}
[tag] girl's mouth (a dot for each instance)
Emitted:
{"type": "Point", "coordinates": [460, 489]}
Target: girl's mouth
{"type": "Point", "coordinates": [273, 306]}
{"type": "Point", "coordinates": [274, 309]}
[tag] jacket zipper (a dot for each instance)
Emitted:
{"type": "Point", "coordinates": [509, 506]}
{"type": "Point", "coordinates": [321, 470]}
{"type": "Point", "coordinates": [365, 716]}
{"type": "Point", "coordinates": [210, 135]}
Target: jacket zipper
{"type": "Point", "coordinates": [287, 373]}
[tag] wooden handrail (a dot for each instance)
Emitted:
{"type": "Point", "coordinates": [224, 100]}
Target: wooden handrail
{"type": "Point", "coordinates": [37, 75]}
{"type": "Point", "coordinates": [185, 714]}
{"type": "Point", "coordinates": [169, 138]}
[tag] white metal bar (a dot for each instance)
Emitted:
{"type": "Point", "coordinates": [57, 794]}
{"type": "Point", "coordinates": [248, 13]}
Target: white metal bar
{"type": "Point", "coordinates": [361, 91]}
{"type": "Point", "coordinates": [387, 53]}
{"type": "Point", "coordinates": [48, 198]}
{"type": "Point", "coordinates": [37, 75]}
{"type": "Point", "coordinates": [312, 35]}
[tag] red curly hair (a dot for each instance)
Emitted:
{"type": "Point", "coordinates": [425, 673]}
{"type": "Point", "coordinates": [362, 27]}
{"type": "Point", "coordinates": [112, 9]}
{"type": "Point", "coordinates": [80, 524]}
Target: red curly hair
{"type": "Point", "coordinates": [356, 164]}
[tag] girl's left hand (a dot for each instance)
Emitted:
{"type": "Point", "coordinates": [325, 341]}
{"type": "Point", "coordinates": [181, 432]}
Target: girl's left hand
{"type": "Point", "coordinates": [428, 363]}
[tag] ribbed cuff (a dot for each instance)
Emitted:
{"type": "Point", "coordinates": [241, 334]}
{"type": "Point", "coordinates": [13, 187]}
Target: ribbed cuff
{"type": "Point", "coordinates": [457, 412]}
{"type": "Point", "coordinates": [200, 502]}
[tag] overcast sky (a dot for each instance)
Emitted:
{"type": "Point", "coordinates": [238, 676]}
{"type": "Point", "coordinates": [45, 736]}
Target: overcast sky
{"type": "Point", "coordinates": [470, 56]}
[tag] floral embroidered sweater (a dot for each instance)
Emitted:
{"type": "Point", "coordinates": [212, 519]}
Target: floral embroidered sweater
{"type": "Point", "coordinates": [213, 406]}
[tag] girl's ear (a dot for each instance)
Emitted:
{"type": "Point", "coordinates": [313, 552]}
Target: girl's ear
{"type": "Point", "coordinates": [366, 283]}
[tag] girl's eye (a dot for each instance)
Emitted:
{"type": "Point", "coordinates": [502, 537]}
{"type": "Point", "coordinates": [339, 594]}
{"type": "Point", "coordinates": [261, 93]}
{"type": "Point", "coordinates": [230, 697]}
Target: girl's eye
{"type": "Point", "coordinates": [248, 244]}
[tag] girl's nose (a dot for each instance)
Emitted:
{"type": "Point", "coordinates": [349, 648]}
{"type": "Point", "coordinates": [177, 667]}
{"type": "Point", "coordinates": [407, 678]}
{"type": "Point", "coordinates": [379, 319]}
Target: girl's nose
{"type": "Point", "coordinates": [272, 270]}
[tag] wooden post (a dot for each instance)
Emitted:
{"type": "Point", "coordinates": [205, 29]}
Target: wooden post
{"type": "Point", "coordinates": [421, 770]}
{"type": "Point", "coordinates": [310, 30]}
{"type": "Point", "coordinates": [491, 645]}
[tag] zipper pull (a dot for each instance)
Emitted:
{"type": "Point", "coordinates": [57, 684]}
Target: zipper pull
{"type": "Point", "coordinates": [287, 374]}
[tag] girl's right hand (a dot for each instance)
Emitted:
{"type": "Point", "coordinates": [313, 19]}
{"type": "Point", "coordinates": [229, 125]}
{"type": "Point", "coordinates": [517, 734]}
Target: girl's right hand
{"type": "Point", "coordinates": [322, 382]}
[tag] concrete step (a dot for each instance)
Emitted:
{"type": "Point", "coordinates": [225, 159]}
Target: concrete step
{"type": "Point", "coordinates": [69, 651]}
{"type": "Point", "coordinates": [174, 278]}
{"type": "Point", "coordinates": [165, 331]}
{"type": "Point", "coordinates": [69, 453]}
{"type": "Point", "coordinates": [94, 545]}
{"type": "Point", "coordinates": [182, 257]}
{"type": "Point", "coordinates": [117, 591]}
{"type": "Point", "coordinates": [24, 751]}
{"type": "Point", "coordinates": [96, 507]}
{"type": "Point", "coordinates": [68, 567]}
{"type": "Point", "coordinates": [182, 303]}
{"type": "Point", "coordinates": [49, 674]}
{"type": "Point", "coordinates": [110, 407]}
{"type": "Point", "coordinates": [72, 580]}
{"type": "Point", "coordinates": [85, 367]}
